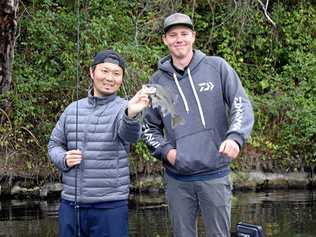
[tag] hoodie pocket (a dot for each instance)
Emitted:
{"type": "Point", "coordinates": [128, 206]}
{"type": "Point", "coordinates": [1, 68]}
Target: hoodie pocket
{"type": "Point", "coordinates": [198, 153]}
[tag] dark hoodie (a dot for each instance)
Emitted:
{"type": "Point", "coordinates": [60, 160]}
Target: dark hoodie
{"type": "Point", "coordinates": [215, 107]}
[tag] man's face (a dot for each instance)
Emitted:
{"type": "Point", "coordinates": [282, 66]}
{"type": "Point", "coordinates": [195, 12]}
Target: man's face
{"type": "Point", "coordinates": [179, 40]}
{"type": "Point", "coordinates": [107, 79]}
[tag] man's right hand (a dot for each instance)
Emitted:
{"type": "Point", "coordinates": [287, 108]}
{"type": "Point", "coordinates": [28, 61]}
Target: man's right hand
{"type": "Point", "coordinates": [139, 102]}
{"type": "Point", "coordinates": [73, 157]}
{"type": "Point", "coordinates": [171, 156]}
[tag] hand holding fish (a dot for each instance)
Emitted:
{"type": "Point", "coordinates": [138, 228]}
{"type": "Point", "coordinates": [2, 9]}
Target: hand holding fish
{"type": "Point", "coordinates": [229, 148]}
{"type": "Point", "coordinates": [139, 102]}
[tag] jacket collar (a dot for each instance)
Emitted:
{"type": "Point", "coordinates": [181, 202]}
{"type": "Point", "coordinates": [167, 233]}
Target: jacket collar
{"type": "Point", "coordinates": [100, 100]}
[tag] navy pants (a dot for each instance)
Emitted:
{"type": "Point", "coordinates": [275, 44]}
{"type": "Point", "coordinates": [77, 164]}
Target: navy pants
{"type": "Point", "coordinates": [94, 222]}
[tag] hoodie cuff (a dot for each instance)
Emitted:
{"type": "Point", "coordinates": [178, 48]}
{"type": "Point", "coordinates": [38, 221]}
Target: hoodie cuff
{"type": "Point", "coordinates": [237, 138]}
{"type": "Point", "coordinates": [164, 151]}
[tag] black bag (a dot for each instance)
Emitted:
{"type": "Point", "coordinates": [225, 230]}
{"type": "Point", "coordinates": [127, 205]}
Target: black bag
{"type": "Point", "coordinates": [249, 230]}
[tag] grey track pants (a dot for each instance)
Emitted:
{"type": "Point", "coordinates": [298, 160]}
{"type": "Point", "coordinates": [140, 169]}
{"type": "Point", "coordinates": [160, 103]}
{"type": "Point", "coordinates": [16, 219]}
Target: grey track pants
{"type": "Point", "coordinates": [211, 197]}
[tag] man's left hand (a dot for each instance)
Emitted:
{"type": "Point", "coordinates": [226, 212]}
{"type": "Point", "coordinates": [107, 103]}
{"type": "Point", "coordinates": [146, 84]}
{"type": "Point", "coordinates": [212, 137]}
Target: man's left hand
{"type": "Point", "coordinates": [229, 148]}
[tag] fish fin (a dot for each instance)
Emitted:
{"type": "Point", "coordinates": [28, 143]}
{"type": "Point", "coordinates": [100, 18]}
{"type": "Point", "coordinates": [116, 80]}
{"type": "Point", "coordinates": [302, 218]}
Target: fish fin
{"type": "Point", "coordinates": [177, 120]}
{"type": "Point", "coordinates": [164, 111]}
{"type": "Point", "coordinates": [154, 102]}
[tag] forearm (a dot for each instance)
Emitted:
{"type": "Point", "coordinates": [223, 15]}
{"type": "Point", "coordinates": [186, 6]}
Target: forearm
{"type": "Point", "coordinates": [242, 120]}
{"type": "Point", "coordinates": [240, 108]}
{"type": "Point", "coordinates": [129, 129]}
{"type": "Point", "coordinates": [155, 141]}
{"type": "Point", "coordinates": [57, 145]}
{"type": "Point", "coordinates": [57, 155]}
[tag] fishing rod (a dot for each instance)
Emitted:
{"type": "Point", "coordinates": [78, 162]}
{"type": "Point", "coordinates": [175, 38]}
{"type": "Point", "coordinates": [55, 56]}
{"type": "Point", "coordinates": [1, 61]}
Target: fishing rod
{"type": "Point", "coordinates": [77, 207]}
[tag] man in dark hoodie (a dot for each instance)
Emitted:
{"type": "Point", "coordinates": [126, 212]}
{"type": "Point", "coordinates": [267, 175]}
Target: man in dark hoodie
{"type": "Point", "coordinates": [196, 154]}
{"type": "Point", "coordinates": [90, 145]}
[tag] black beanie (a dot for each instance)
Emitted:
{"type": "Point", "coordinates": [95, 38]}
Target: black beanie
{"type": "Point", "coordinates": [109, 56]}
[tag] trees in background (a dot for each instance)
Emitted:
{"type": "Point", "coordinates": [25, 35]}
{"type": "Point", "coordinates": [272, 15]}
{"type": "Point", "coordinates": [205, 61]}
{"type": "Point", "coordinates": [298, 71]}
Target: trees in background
{"type": "Point", "coordinates": [270, 44]}
{"type": "Point", "coordinates": [8, 23]}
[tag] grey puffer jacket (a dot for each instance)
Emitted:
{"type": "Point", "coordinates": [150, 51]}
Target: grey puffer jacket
{"type": "Point", "coordinates": [104, 133]}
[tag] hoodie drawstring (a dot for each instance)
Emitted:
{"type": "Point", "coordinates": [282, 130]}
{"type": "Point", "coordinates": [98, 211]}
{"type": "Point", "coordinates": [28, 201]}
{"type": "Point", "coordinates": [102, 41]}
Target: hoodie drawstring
{"type": "Point", "coordinates": [195, 96]}
{"type": "Point", "coordinates": [197, 99]}
{"type": "Point", "coordinates": [181, 93]}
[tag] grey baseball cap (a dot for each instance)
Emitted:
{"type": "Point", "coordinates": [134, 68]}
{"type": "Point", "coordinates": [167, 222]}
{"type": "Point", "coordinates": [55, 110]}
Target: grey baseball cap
{"type": "Point", "coordinates": [177, 19]}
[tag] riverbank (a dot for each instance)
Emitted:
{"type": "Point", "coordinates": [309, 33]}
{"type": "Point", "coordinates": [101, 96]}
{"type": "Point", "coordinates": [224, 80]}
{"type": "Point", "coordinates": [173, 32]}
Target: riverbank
{"type": "Point", "coordinates": [281, 213]}
{"type": "Point", "coordinates": [24, 188]}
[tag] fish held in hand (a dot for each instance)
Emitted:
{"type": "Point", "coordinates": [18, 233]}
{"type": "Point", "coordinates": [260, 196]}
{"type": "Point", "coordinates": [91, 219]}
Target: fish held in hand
{"type": "Point", "coordinates": [162, 98]}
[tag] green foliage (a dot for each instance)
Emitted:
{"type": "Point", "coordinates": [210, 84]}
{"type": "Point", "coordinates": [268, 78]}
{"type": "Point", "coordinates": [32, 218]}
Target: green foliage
{"type": "Point", "coordinates": [289, 100]}
{"type": "Point", "coordinates": [276, 66]}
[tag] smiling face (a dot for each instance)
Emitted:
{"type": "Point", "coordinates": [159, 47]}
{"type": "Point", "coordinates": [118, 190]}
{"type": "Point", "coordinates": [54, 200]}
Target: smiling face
{"type": "Point", "coordinates": [107, 79]}
{"type": "Point", "coordinates": [179, 40]}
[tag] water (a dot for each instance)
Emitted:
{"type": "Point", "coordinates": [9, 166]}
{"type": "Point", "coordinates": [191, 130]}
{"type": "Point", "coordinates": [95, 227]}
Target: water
{"type": "Point", "coordinates": [281, 213]}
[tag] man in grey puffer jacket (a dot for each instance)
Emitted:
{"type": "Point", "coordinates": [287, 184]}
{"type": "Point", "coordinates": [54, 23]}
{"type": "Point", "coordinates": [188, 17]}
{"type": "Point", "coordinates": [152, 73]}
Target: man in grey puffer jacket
{"type": "Point", "coordinates": [90, 145]}
{"type": "Point", "coordinates": [196, 154]}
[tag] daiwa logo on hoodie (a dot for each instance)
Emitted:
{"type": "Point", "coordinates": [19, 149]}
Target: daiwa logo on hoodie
{"type": "Point", "coordinates": [206, 86]}
{"type": "Point", "coordinates": [238, 107]}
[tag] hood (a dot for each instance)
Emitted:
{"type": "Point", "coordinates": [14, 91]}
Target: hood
{"type": "Point", "coordinates": [165, 63]}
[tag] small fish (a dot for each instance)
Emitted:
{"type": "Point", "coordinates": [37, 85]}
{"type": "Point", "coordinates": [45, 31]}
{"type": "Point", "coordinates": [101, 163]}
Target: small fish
{"type": "Point", "coordinates": [161, 97]}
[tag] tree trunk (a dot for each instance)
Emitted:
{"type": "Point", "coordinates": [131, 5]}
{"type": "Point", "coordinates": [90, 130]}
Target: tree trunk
{"type": "Point", "coordinates": [8, 12]}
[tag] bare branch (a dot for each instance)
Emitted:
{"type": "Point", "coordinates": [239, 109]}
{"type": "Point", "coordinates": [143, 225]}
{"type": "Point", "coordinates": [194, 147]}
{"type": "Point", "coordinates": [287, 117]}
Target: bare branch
{"type": "Point", "coordinates": [222, 23]}
{"type": "Point", "coordinates": [136, 22]}
{"type": "Point", "coordinates": [193, 10]}
{"type": "Point", "coordinates": [227, 18]}
{"type": "Point", "coordinates": [33, 136]}
{"type": "Point", "coordinates": [25, 10]}
{"type": "Point", "coordinates": [8, 118]}
{"type": "Point", "coordinates": [265, 10]}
